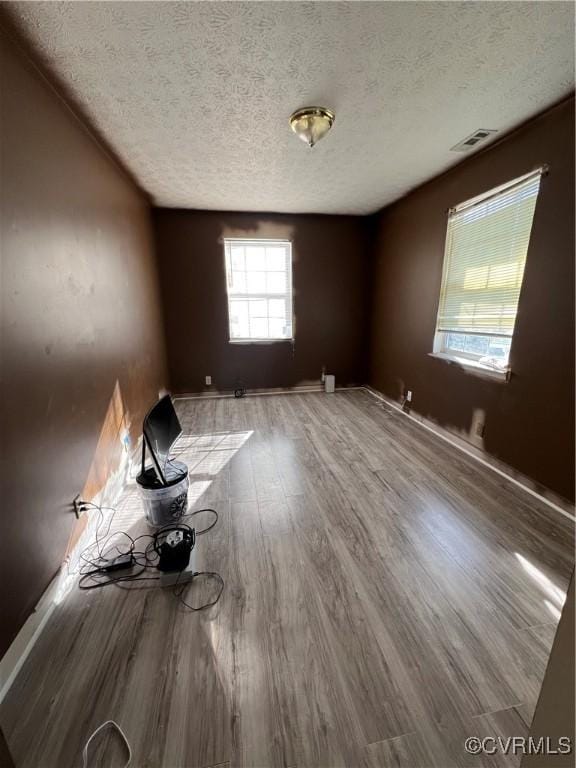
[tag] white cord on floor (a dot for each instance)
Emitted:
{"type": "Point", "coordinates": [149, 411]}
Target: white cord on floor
{"type": "Point", "coordinates": [101, 727]}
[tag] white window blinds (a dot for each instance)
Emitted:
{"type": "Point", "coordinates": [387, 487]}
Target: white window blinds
{"type": "Point", "coordinates": [486, 245]}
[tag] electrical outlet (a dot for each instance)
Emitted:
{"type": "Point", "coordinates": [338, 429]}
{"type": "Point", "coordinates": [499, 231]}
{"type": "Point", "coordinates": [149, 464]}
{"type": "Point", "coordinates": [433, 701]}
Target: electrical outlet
{"type": "Point", "coordinates": [409, 396]}
{"type": "Point", "coordinates": [77, 504]}
{"type": "Point", "coordinates": [208, 381]}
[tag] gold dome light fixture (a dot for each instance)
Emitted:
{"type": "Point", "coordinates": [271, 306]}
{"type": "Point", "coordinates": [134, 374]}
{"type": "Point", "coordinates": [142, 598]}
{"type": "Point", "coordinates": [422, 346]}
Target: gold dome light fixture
{"type": "Point", "coordinates": [312, 123]}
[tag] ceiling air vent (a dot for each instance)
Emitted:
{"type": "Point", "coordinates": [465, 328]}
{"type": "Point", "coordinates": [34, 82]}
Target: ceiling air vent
{"type": "Point", "coordinates": [478, 137]}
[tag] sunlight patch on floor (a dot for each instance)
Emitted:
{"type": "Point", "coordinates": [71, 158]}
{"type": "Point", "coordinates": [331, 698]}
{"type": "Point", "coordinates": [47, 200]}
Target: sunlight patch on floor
{"type": "Point", "coordinates": [552, 591]}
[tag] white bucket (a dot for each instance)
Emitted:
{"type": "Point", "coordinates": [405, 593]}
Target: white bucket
{"type": "Point", "coordinates": [166, 505]}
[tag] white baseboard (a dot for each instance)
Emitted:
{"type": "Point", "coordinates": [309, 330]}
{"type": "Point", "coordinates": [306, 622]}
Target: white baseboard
{"type": "Point", "coordinates": [16, 655]}
{"type": "Point", "coordinates": [260, 393]}
{"type": "Point", "coordinates": [556, 503]}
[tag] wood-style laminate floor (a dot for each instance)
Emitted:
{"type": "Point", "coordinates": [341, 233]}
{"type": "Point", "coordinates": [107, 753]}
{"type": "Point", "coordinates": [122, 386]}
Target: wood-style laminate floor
{"type": "Point", "coordinates": [385, 598]}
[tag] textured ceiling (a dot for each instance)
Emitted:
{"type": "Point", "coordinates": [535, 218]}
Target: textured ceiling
{"type": "Point", "coordinates": [195, 97]}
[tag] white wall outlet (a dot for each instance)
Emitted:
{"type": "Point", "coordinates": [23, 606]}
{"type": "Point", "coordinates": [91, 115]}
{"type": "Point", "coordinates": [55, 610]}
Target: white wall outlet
{"type": "Point", "coordinates": [478, 425]}
{"type": "Point", "coordinates": [208, 380]}
{"type": "Point", "coordinates": [409, 396]}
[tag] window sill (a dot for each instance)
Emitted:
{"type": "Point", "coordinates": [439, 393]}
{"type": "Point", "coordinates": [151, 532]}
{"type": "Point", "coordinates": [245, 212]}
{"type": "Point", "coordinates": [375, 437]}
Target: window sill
{"type": "Point", "coordinates": [260, 341]}
{"type": "Point", "coordinates": [473, 366]}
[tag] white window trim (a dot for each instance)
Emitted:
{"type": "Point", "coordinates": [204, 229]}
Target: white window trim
{"type": "Point", "coordinates": [474, 366]}
{"type": "Point", "coordinates": [289, 292]}
{"type": "Point", "coordinates": [262, 341]}
{"type": "Point", "coordinates": [495, 191]}
{"type": "Point", "coordinates": [467, 359]}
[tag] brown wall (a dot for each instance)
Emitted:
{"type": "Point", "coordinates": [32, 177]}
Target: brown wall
{"type": "Point", "coordinates": [529, 422]}
{"type": "Point", "coordinates": [80, 323]}
{"type": "Point", "coordinates": [330, 273]}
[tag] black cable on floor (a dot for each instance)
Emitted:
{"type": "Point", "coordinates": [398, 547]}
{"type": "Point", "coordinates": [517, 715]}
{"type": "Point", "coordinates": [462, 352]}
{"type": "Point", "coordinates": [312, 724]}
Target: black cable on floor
{"type": "Point", "coordinates": [197, 512]}
{"type": "Point", "coordinates": [99, 565]}
{"type": "Point", "coordinates": [114, 580]}
{"type": "Point", "coordinates": [179, 592]}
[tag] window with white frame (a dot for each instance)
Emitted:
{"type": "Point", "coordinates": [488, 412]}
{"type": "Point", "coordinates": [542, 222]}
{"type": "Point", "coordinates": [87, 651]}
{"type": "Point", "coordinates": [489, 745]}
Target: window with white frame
{"type": "Point", "coordinates": [486, 245]}
{"type": "Point", "coordinates": [259, 282]}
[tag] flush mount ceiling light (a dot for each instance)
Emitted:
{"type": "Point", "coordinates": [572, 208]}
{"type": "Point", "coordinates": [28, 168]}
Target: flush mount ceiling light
{"type": "Point", "coordinates": [312, 123]}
